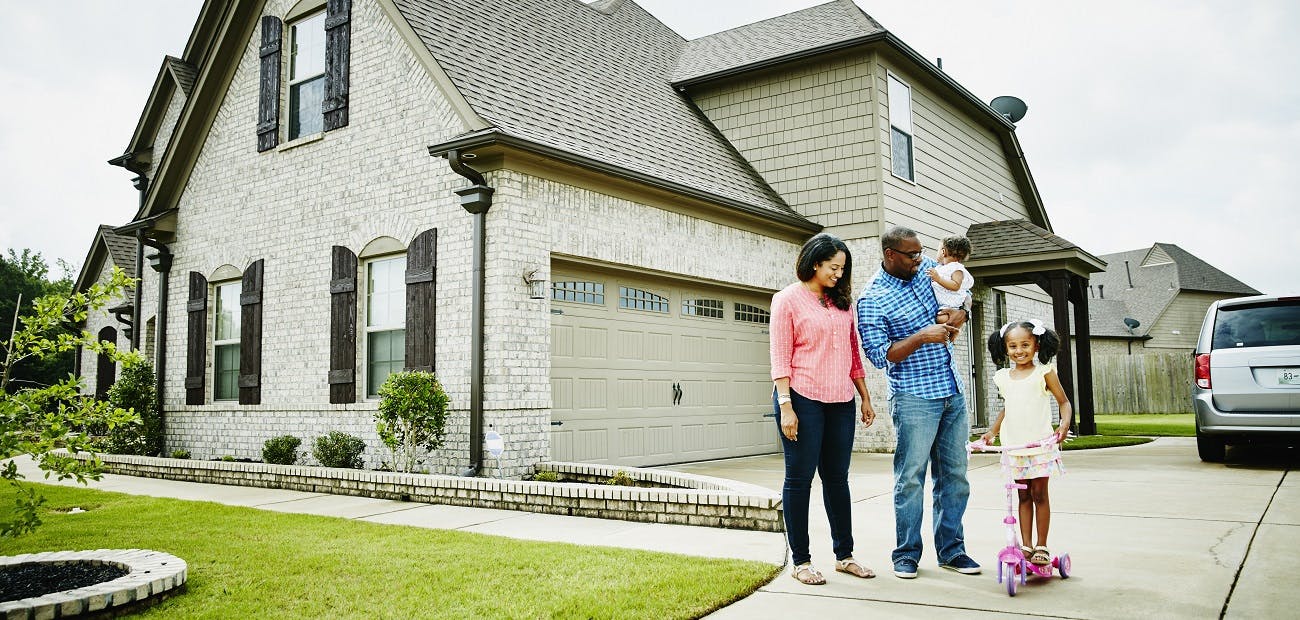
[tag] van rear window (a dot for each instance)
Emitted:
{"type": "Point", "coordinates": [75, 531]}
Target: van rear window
{"type": "Point", "coordinates": [1257, 325]}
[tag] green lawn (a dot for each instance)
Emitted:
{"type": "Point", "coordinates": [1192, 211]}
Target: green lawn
{"type": "Point", "coordinates": [248, 563]}
{"type": "Point", "coordinates": [1148, 424]}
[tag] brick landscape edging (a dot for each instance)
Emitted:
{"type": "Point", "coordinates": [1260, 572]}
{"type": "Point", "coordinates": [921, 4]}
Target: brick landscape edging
{"type": "Point", "coordinates": [150, 576]}
{"type": "Point", "coordinates": [706, 501]}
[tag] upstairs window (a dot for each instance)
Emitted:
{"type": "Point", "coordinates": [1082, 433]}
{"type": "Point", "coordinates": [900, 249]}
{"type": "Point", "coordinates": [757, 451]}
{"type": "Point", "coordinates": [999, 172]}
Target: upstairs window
{"type": "Point", "coordinates": [900, 129]}
{"type": "Point", "coordinates": [307, 76]}
{"type": "Point", "coordinates": [385, 320]}
{"type": "Point", "coordinates": [225, 374]}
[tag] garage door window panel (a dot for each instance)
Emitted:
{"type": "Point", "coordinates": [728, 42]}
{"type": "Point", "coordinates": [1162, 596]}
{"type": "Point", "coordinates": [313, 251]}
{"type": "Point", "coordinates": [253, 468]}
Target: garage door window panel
{"type": "Point", "coordinates": [753, 314]}
{"type": "Point", "coordinates": [639, 299]}
{"type": "Point", "coordinates": [579, 291]}
{"type": "Point", "coordinates": [704, 308]}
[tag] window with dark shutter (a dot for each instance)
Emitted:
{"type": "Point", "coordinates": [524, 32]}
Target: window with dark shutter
{"type": "Point", "coordinates": [343, 326]}
{"type": "Point", "coordinates": [106, 368]}
{"type": "Point", "coordinates": [421, 293]}
{"type": "Point", "coordinates": [268, 95]}
{"type": "Point", "coordinates": [250, 336]}
{"type": "Point", "coordinates": [338, 28]}
{"type": "Point", "coordinates": [197, 339]}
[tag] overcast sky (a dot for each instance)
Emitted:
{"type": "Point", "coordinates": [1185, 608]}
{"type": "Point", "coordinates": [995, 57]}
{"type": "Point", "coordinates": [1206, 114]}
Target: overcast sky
{"type": "Point", "coordinates": [1149, 121]}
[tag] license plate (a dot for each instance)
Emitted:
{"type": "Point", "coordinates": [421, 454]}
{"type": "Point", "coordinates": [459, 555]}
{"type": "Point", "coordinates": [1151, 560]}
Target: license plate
{"type": "Point", "coordinates": [1288, 376]}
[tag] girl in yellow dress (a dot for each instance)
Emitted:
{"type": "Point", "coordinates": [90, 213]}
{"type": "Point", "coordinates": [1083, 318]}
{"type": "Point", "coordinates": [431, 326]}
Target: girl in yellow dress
{"type": "Point", "coordinates": [1027, 388]}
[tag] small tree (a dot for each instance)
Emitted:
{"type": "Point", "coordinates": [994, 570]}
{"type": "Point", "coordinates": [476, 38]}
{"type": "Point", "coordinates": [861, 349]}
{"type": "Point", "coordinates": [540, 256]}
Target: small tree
{"type": "Point", "coordinates": [412, 415]}
{"type": "Point", "coordinates": [35, 421]}
{"type": "Point", "coordinates": [134, 390]}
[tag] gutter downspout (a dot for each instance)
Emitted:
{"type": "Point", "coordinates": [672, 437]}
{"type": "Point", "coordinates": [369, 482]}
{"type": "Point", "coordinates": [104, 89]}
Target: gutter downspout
{"type": "Point", "coordinates": [161, 263]}
{"type": "Point", "coordinates": [476, 200]}
{"type": "Point", "coordinates": [142, 184]}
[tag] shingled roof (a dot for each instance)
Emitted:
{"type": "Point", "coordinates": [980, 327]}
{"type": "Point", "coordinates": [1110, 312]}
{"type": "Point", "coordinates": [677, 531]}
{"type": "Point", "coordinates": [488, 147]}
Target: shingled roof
{"type": "Point", "coordinates": [108, 246]}
{"type": "Point", "coordinates": [588, 80]}
{"type": "Point", "coordinates": [1018, 237]}
{"type": "Point", "coordinates": [811, 29]}
{"type": "Point", "coordinates": [1158, 274]}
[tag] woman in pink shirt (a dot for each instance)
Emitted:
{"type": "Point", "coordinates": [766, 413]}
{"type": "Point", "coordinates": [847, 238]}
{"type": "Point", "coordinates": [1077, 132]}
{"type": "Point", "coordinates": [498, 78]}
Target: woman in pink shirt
{"type": "Point", "coordinates": [816, 366]}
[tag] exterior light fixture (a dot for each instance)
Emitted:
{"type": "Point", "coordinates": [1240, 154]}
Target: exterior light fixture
{"type": "Point", "coordinates": [536, 284]}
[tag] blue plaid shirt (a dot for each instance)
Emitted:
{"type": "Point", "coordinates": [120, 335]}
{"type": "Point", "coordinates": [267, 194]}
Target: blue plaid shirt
{"type": "Point", "coordinates": [890, 310]}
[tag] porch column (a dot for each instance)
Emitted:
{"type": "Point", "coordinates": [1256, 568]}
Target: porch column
{"type": "Point", "coordinates": [1058, 286]}
{"type": "Point", "coordinates": [1083, 350]}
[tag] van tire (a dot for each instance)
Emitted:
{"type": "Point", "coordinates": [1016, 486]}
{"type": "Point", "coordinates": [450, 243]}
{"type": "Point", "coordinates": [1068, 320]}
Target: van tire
{"type": "Point", "coordinates": [1211, 448]}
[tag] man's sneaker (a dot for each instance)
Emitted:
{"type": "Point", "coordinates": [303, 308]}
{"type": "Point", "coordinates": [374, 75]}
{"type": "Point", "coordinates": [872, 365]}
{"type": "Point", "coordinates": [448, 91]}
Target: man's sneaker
{"type": "Point", "coordinates": [905, 568]}
{"type": "Point", "coordinates": [962, 564]}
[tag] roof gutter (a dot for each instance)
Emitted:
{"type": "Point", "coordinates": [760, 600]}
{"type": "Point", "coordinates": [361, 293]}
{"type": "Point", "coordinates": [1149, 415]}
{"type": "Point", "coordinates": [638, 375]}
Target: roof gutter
{"type": "Point", "coordinates": [494, 137]}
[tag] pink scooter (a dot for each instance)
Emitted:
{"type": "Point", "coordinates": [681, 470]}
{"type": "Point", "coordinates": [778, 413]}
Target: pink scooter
{"type": "Point", "coordinates": [1012, 564]}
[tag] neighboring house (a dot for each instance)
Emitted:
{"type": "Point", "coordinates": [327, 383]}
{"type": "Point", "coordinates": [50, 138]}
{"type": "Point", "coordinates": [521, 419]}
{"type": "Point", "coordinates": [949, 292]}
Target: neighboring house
{"type": "Point", "coordinates": [571, 214]}
{"type": "Point", "coordinates": [1145, 313]}
{"type": "Point", "coordinates": [113, 322]}
{"type": "Point", "coordinates": [1165, 290]}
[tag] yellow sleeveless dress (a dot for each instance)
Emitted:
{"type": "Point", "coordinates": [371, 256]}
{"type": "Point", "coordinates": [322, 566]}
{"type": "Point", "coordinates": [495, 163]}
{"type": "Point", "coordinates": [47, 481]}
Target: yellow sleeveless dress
{"type": "Point", "coordinates": [1028, 404]}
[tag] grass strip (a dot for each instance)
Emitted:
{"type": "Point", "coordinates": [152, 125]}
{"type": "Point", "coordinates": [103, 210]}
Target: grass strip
{"type": "Point", "coordinates": [1148, 424]}
{"type": "Point", "coordinates": [246, 563]}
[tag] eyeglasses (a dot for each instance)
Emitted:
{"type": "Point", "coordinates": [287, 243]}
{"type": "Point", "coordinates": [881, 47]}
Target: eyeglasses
{"type": "Point", "coordinates": [911, 255]}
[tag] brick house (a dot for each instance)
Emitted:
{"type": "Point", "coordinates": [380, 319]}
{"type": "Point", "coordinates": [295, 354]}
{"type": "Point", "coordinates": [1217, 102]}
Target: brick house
{"type": "Point", "coordinates": [571, 214]}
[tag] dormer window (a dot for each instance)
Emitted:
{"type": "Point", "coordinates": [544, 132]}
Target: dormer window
{"type": "Point", "coordinates": [307, 76]}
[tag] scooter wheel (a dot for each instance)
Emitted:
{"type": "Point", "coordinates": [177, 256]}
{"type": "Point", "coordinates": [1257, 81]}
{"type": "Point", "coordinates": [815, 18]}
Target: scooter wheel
{"type": "Point", "coordinates": [1011, 580]}
{"type": "Point", "coordinates": [1063, 565]}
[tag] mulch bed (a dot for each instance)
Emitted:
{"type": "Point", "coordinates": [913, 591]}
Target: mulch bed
{"type": "Point", "coordinates": [39, 578]}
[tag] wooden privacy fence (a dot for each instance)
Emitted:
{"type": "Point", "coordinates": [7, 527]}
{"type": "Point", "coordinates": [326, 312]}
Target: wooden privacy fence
{"type": "Point", "coordinates": [1143, 383]}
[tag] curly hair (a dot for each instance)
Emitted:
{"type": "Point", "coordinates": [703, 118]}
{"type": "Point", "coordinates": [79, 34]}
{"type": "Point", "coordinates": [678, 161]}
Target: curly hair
{"type": "Point", "coordinates": [1048, 343]}
{"type": "Point", "coordinates": [819, 249]}
{"type": "Point", "coordinates": [957, 247]}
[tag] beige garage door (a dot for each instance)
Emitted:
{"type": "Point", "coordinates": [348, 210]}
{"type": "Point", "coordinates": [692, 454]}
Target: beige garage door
{"type": "Point", "coordinates": [648, 372]}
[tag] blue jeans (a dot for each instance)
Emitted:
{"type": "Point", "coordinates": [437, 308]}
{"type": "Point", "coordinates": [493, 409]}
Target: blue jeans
{"type": "Point", "coordinates": [824, 447]}
{"type": "Point", "coordinates": [931, 432]}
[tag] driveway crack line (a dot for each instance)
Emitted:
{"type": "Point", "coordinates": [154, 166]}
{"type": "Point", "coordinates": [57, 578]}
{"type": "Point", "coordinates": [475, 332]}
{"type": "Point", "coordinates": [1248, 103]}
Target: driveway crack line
{"type": "Point", "coordinates": [1237, 577]}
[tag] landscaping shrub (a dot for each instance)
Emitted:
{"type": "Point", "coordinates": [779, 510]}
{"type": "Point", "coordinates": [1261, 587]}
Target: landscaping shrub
{"type": "Point", "coordinates": [546, 476]}
{"type": "Point", "coordinates": [134, 391]}
{"type": "Point", "coordinates": [282, 450]}
{"type": "Point", "coordinates": [622, 479]}
{"type": "Point", "coordinates": [180, 454]}
{"type": "Point", "coordinates": [339, 449]}
{"type": "Point", "coordinates": [412, 416]}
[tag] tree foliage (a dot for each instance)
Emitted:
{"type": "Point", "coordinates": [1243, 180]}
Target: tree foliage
{"type": "Point", "coordinates": [412, 415]}
{"type": "Point", "coordinates": [34, 421]}
{"type": "Point", "coordinates": [27, 274]}
{"type": "Point", "coordinates": [134, 391]}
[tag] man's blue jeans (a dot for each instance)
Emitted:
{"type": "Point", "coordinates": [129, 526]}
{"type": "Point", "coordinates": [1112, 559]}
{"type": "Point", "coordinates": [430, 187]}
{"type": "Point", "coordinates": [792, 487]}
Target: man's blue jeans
{"type": "Point", "coordinates": [824, 447]}
{"type": "Point", "coordinates": [931, 432]}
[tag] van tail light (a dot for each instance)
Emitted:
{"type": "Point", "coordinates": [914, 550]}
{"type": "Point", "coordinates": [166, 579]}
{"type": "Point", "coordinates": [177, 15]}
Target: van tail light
{"type": "Point", "coordinates": [1203, 371]}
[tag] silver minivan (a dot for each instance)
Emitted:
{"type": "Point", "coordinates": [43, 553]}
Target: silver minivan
{"type": "Point", "coordinates": [1247, 378]}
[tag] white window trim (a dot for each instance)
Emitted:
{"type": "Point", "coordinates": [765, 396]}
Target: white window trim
{"type": "Point", "coordinates": [289, 82]}
{"type": "Point", "coordinates": [217, 343]}
{"type": "Point", "coordinates": [367, 328]}
{"type": "Point", "coordinates": [910, 131]}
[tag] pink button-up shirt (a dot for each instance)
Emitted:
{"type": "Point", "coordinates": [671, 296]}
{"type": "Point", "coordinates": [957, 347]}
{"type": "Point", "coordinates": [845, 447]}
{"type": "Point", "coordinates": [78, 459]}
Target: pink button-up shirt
{"type": "Point", "coordinates": [815, 346]}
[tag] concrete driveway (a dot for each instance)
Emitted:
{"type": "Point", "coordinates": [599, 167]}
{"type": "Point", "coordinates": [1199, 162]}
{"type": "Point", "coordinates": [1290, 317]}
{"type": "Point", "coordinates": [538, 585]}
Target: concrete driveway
{"type": "Point", "coordinates": [1152, 533]}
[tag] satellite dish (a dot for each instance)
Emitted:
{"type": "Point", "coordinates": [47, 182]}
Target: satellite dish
{"type": "Point", "coordinates": [1131, 323]}
{"type": "Point", "coordinates": [1012, 108]}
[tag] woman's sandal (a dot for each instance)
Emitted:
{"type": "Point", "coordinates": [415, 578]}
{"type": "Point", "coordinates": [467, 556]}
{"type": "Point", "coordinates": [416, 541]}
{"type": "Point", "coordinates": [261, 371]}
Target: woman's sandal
{"type": "Point", "coordinates": [852, 567]}
{"type": "Point", "coordinates": [808, 575]}
{"type": "Point", "coordinates": [1041, 556]}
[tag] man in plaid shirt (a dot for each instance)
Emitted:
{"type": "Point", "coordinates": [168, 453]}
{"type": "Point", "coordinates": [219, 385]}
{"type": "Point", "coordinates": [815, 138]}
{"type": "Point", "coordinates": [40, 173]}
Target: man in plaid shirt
{"type": "Point", "coordinates": [903, 332]}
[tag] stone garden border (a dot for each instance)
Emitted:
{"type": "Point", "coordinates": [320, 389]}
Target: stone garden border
{"type": "Point", "coordinates": [699, 500]}
{"type": "Point", "coordinates": [151, 575]}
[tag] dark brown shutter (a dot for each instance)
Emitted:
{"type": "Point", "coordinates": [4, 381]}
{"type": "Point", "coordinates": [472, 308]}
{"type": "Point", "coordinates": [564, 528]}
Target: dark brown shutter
{"type": "Point", "coordinates": [343, 326]}
{"type": "Point", "coordinates": [250, 336]}
{"type": "Point", "coordinates": [268, 92]}
{"type": "Point", "coordinates": [338, 29]}
{"type": "Point", "coordinates": [196, 345]}
{"type": "Point", "coordinates": [106, 368]}
{"type": "Point", "coordinates": [421, 267]}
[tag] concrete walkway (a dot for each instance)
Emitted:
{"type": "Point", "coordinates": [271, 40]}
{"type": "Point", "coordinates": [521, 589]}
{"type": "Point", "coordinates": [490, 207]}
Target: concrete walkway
{"type": "Point", "coordinates": [1151, 530]}
{"type": "Point", "coordinates": [1152, 533]}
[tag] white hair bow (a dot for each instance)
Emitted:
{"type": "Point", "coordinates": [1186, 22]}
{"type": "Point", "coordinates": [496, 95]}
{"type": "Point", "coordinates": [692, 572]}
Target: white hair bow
{"type": "Point", "coordinates": [1039, 328]}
